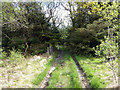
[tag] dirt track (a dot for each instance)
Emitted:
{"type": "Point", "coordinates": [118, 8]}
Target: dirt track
{"type": "Point", "coordinates": [83, 80]}
{"type": "Point", "coordinates": [59, 57]}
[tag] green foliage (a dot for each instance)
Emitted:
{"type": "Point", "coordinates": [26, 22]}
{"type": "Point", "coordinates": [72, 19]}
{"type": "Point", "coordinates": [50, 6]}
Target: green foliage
{"type": "Point", "coordinates": [83, 40]}
{"type": "Point", "coordinates": [4, 55]}
{"type": "Point", "coordinates": [22, 30]}
{"type": "Point", "coordinates": [37, 49]}
{"type": "Point", "coordinates": [15, 57]}
{"type": "Point", "coordinates": [88, 71]}
{"type": "Point", "coordinates": [88, 26]}
{"type": "Point", "coordinates": [107, 48]}
{"type": "Point", "coordinates": [111, 12]}
{"type": "Point", "coordinates": [1, 63]}
{"type": "Point", "coordinates": [91, 21]}
{"type": "Point", "coordinates": [87, 12]}
{"type": "Point", "coordinates": [98, 61]}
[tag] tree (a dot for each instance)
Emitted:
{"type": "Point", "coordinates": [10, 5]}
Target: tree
{"type": "Point", "coordinates": [109, 50]}
{"type": "Point", "coordinates": [71, 8]}
{"type": "Point", "coordinates": [23, 29]}
{"type": "Point", "coordinates": [109, 47]}
{"type": "Point", "coordinates": [90, 26]}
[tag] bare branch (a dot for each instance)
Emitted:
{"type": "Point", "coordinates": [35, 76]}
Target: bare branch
{"type": "Point", "coordinates": [65, 7]}
{"type": "Point", "coordinates": [15, 21]}
{"type": "Point", "coordinates": [7, 36]}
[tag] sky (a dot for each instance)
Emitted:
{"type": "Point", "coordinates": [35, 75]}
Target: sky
{"type": "Point", "coordinates": [61, 13]}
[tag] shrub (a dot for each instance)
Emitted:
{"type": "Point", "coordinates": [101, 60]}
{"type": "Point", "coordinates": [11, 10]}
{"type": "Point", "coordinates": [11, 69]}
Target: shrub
{"type": "Point", "coordinates": [109, 50]}
{"type": "Point", "coordinates": [15, 57]}
{"type": "Point", "coordinates": [1, 63]}
{"type": "Point", "coordinates": [4, 55]}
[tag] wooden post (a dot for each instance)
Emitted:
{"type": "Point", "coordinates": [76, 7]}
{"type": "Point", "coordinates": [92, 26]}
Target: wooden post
{"type": "Point", "coordinates": [48, 51]}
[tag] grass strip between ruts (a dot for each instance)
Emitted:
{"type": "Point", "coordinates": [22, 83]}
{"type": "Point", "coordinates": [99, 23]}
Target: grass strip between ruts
{"type": "Point", "coordinates": [67, 77]}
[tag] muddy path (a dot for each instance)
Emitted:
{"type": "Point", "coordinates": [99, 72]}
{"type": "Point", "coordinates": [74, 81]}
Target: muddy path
{"type": "Point", "coordinates": [59, 58]}
{"type": "Point", "coordinates": [83, 80]}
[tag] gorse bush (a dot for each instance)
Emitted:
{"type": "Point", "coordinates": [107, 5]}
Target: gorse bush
{"type": "Point", "coordinates": [15, 57]}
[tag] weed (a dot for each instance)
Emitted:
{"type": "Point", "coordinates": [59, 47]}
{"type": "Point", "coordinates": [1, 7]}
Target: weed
{"type": "Point", "coordinates": [88, 71]}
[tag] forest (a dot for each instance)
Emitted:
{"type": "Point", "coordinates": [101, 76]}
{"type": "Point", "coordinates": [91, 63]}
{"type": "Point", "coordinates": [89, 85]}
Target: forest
{"type": "Point", "coordinates": [59, 45]}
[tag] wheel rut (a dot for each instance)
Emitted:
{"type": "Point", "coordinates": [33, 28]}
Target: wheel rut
{"type": "Point", "coordinates": [83, 80]}
{"type": "Point", "coordinates": [61, 64]}
{"type": "Point", "coordinates": [59, 60]}
{"type": "Point", "coordinates": [45, 82]}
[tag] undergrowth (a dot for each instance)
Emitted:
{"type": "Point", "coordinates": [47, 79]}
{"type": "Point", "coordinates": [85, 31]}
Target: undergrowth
{"type": "Point", "coordinates": [14, 58]}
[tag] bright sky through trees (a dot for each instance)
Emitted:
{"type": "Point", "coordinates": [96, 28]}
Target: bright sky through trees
{"type": "Point", "coordinates": [60, 12]}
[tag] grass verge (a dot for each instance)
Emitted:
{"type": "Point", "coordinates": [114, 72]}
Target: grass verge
{"type": "Point", "coordinates": [97, 73]}
{"type": "Point", "coordinates": [19, 75]}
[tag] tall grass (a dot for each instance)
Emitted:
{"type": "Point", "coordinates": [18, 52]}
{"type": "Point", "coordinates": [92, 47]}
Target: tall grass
{"type": "Point", "coordinates": [3, 56]}
{"type": "Point", "coordinates": [88, 63]}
